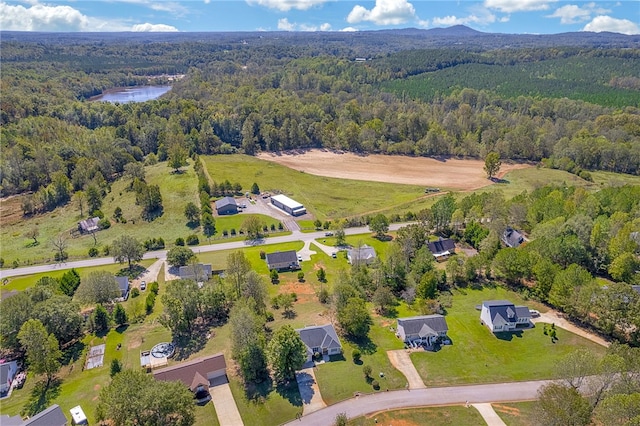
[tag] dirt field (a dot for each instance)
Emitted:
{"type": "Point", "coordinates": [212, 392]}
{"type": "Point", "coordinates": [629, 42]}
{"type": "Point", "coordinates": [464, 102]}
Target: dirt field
{"type": "Point", "coordinates": [449, 173]}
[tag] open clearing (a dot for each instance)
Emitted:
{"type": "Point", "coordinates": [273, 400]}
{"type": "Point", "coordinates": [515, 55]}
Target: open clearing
{"type": "Point", "coordinates": [450, 173]}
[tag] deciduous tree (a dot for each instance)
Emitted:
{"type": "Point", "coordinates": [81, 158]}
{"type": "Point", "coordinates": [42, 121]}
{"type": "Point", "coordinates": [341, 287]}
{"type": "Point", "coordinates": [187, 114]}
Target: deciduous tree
{"type": "Point", "coordinates": [287, 353]}
{"type": "Point", "coordinates": [97, 287]}
{"type": "Point", "coordinates": [128, 248]}
{"type": "Point", "coordinates": [180, 256]}
{"type": "Point", "coordinates": [43, 352]}
{"type": "Point", "coordinates": [492, 164]}
{"type": "Point", "coordinates": [354, 318]}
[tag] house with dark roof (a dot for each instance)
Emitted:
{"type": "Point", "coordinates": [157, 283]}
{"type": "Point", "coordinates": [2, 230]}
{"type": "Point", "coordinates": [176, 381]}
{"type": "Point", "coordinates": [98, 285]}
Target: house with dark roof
{"type": "Point", "coordinates": [320, 339]}
{"type": "Point", "coordinates": [424, 328]}
{"type": "Point", "coordinates": [636, 288]}
{"type": "Point", "coordinates": [123, 283]}
{"type": "Point", "coordinates": [511, 237]}
{"type": "Point", "coordinates": [199, 272]}
{"type": "Point", "coordinates": [502, 315]}
{"type": "Point", "coordinates": [361, 255]}
{"type": "Point", "coordinates": [197, 374]}
{"type": "Point", "coordinates": [52, 416]}
{"type": "Point", "coordinates": [88, 226]}
{"type": "Point", "coordinates": [283, 260]}
{"type": "Point", "coordinates": [442, 249]}
{"type": "Point", "coordinates": [8, 371]}
{"type": "Point", "coordinates": [226, 205]}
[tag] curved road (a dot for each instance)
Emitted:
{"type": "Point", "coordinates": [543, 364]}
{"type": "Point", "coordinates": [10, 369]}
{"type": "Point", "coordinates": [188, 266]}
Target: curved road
{"type": "Point", "coordinates": [162, 254]}
{"type": "Point", "coordinates": [453, 395]}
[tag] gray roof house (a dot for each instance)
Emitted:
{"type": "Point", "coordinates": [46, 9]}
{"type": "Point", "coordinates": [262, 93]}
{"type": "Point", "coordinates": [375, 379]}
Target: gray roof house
{"type": "Point", "coordinates": [320, 339]}
{"type": "Point", "coordinates": [8, 371]}
{"type": "Point", "coordinates": [636, 288]}
{"type": "Point", "coordinates": [52, 416]}
{"type": "Point", "coordinates": [226, 205]}
{"type": "Point", "coordinates": [200, 272]}
{"type": "Point", "coordinates": [283, 260]}
{"type": "Point", "coordinates": [363, 254]}
{"type": "Point", "coordinates": [88, 225]}
{"type": "Point", "coordinates": [123, 283]}
{"type": "Point", "coordinates": [442, 248]}
{"type": "Point", "coordinates": [502, 315]}
{"type": "Point", "coordinates": [511, 237]}
{"type": "Point", "coordinates": [424, 328]}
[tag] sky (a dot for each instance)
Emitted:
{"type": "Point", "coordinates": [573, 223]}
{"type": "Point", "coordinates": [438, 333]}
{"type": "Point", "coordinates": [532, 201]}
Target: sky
{"type": "Point", "coordinates": [497, 16]}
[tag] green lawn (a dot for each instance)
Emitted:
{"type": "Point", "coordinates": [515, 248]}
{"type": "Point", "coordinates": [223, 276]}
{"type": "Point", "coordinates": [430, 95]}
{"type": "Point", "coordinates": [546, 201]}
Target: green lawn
{"type": "Point", "coordinates": [479, 356]}
{"type": "Point", "coordinates": [23, 282]}
{"type": "Point", "coordinates": [434, 416]}
{"type": "Point", "coordinates": [272, 405]}
{"type": "Point", "coordinates": [325, 198]}
{"type": "Point", "coordinates": [517, 413]}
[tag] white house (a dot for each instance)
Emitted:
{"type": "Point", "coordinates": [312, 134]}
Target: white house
{"type": "Point", "coordinates": [361, 255]}
{"type": "Point", "coordinates": [321, 339]}
{"type": "Point", "coordinates": [425, 328]}
{"type": "Point", "coordinates": [502, 315]}
{"type": "Point", "coordinates": [8, 371]}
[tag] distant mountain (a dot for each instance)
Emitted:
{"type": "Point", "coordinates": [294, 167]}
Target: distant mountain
{"type": "Point", "coordinates": [455, 31]}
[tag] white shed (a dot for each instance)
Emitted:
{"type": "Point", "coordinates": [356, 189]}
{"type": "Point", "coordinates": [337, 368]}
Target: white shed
{"type": "Point", "coordinates": [77, 416]}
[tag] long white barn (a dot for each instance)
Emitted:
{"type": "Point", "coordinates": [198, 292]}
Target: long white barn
{"type": "Point", "coordinates": [290, 206]}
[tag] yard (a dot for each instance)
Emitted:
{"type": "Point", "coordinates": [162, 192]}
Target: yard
{"type": "Point", "coordinates": [478, 356]}
{"type": "Point", "coordinates": [434, 416]}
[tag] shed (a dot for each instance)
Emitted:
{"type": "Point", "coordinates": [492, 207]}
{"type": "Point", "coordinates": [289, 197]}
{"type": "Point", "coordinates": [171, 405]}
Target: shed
{"type": "Point", "coordinates": [77, 416]}
{"type": "Point", "coordinates": [88, 226]}
{"type": "Point", "coordinates": [226, 205]}
{"type": "Point", "coordinates": [290, 206]}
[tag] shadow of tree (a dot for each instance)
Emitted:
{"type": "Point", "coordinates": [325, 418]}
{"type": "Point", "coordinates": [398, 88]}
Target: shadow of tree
{"type": "Point", "coordinates": [42, 396]}
{"type": "Point", "coordinates": [509, 335]}
{"type": "Point", "coordinates": [365, 345]}
{"type": "Point", "coordinates": [289, 391]}
{"type": "Point", "coordinates": [133, 273]}
{"type": "Point", "coordinates": [189, 343]}
{"type": "Point", "coordinates": [72, 353]}
{"type": "Point", "coordinates": [289, 314]}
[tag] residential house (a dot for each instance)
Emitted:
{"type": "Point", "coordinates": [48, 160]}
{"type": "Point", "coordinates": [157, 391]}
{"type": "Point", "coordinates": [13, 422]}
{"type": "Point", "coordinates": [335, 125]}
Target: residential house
{"type": "Point", "coordinates": [123, 283]}
{"type": "Point", "coordinates": [226, 205]}
{"type": "Point", "coordinates": [511, 237]}
{"type": "Point", "coordinates": [52, 416]}
{"type": "Point", "coordinates": [283, 260]}
{"type": "Point", "coordinates": [424, 328]}
{"type": "Point", "coordinates": [88, 226]}
{"type": "Point", "coordinates": [502, 315]}
{"type": "Point", "coordinates": [636, 288]}
{"type": "Point", "coordinates": [8, 371]}
{"type": "Point", "coordinates": [199, 272]}
{"type": "Point", "coordinates": [361, 255]}
{"type": "Point", "coordinates": [442, 249]}
{"type": "Point", "coordinates": [197, 374]}
{"type": "Point", "coordinates": [320, 339]}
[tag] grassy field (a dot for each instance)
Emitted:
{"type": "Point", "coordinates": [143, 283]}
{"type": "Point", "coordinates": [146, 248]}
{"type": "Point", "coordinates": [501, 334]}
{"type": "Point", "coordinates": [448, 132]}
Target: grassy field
{"type": "Point", "coordinates": [479, 356]}
{"type": "Point", "coordinates": [517, 413]}
{"type": "Point", "coordinates": [325, 198]}
{"type": "Point", "coordinates": [434, 416]}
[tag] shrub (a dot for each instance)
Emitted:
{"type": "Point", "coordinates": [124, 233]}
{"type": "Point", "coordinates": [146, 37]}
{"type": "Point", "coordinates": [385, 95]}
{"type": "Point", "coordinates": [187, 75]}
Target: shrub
{"type": "Point", "coordinates": [263, 255]}
{"type": "Point", "coordinates": [93, 252]}
{"type": "Point", "coordinates": [280, 226]}
{"type": "Point", "coordinates": [356, 355]}
{"type": "Point", "coordinates": [58, 257]}
{"type": "Point", "coordinates": [154, 244]}
{"type": "Point", "coordinates": [268, 316]}
{"type": "Point", "coordinates": [366, 369]}
{"type": "Point", "coordinates": [180, 241]}
{"type": "Point", "coordinates": [375, 384]}
{"type": "Point", "coordinates": [192, 240]}
{"type": "Point", "coordinates": [105, 250]}
{"type": "Point", "coordinates": [273, 227]}
{"type": "Point", "coordinates": [274, 276]}
{"type": "Point", "coordinates": [275, 302]}
{"type": "Point", "coordinates": [233, 231]}
{"type": "Point", "coordinates": [154, 287]}
{"type": "Point", "coordinates": [323, 296]}
{"type": "Point", "coordinates": [97, 213]}
{"type": "Point", "coordinates": [225, 233]}
{"type": "Point", "coordinates": [116, 367]}
{"type": "Point", "coordinates": [301, 276]}
{"type": "Point", "coordinates": [294, 296]}
{"type": "Point", "coordinates": [149, 302]}
{"type": "Point", "coordinates": [104, 223]}
{"type": "Point", "coordinates": [135, 292]}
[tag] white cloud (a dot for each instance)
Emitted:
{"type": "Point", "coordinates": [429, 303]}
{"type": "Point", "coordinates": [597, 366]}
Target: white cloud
{"type": "Point", "coordinates": [172, 7]}
{"type": "Point", "coordinates": [42, 17]}
{"type": "Point", "coordinates": [349, 30]}
{"type": "Point", "coordinates": [572, 14]}
{"type": "Point", "coordinates": [510, 6]}
{"type": "Point", "coordinates": [153, 28]}
{"type": "Point", "coordinates": [286, 5]}
{"type": "Point", "coordinates": [607, 23]}
{"type": "Point", "coordinates": [385, 12]}
{"type": "Point", "coordinates": [482, 17]}
{"type": "Point", "coordinates": [285, 25]}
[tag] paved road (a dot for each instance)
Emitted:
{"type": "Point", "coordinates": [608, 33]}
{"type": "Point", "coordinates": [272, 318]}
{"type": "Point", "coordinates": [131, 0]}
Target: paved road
{"type": "Point", "coordinates": [162, 254]}
{"type": "Point", "coordinates": [381, 401]}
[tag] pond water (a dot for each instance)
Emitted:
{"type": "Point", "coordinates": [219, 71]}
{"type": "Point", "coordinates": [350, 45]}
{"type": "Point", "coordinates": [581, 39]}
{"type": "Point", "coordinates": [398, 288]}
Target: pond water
{"type": "Point", "coordinates": [126, 95]}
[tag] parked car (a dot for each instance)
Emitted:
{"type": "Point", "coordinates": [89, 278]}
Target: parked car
{"type": "Point", "coordinates": [328, 234]}
{"type": "Point", "coordinates": [334, 254]}
{"type": "Point", "coordinates": [534, 313]}
{"type": "Point", "coordinates": [299, 258]}
{"type": "Point", "coordinates": [143, 285]}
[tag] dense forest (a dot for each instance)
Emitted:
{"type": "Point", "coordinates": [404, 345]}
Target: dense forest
{"type": "Point", "coordinates": [271, 94]}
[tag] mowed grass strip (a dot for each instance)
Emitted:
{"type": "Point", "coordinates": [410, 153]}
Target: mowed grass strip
{"type": "Point", "coordinates": [325, 198]}
{"type": "Point", "coordinates": [518, 413]}
{"type": "Point", "coordinates": [433, 416]}
{"type": "Point", "coordinates": [479, 356]}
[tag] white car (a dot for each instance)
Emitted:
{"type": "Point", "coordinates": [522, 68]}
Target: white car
{"type": "Point", "coordinates": [143, 285]}
{"type": "Point", "coordinates": [299, 258]}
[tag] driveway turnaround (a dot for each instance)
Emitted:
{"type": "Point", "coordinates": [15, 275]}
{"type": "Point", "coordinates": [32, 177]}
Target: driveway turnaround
{"type": "Point", "coordinates": [225, 405]}
{"type": "Point", "coordinates": [554, 317]}
{"type": "Point", "coordinates": [489, 415]}
{"type": "Point", "coordinates": [309, 391]}
{"type": "Point", "coordinates": [454, 395]}
{"type": "Point", "coordinates": [401, 361]}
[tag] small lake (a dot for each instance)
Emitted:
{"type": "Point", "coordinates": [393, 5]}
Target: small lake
{"type": "Point", "coordinates": [126, 95]}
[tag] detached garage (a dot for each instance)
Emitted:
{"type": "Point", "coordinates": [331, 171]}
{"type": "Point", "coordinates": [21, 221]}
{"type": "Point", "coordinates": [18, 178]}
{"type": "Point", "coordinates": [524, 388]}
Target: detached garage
{"type": "Point", "coordinates": [290, 206]}
{"type": "Point", "coordinates": [226, 205]}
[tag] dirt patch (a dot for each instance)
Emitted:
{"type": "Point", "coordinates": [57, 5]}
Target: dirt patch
{"type": "Point", "coordinates": [506, 409]}
{"type": "Point", "coordinates": [296, 287]}
{"type": "Point", "coordinates": [97, 387]}
{"type": "Point", "coordinates": [11, 209]}
{"type": "Point", "coordinates": [391, 418]}
{"type": "Point", "coordinates": [449, 173]}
